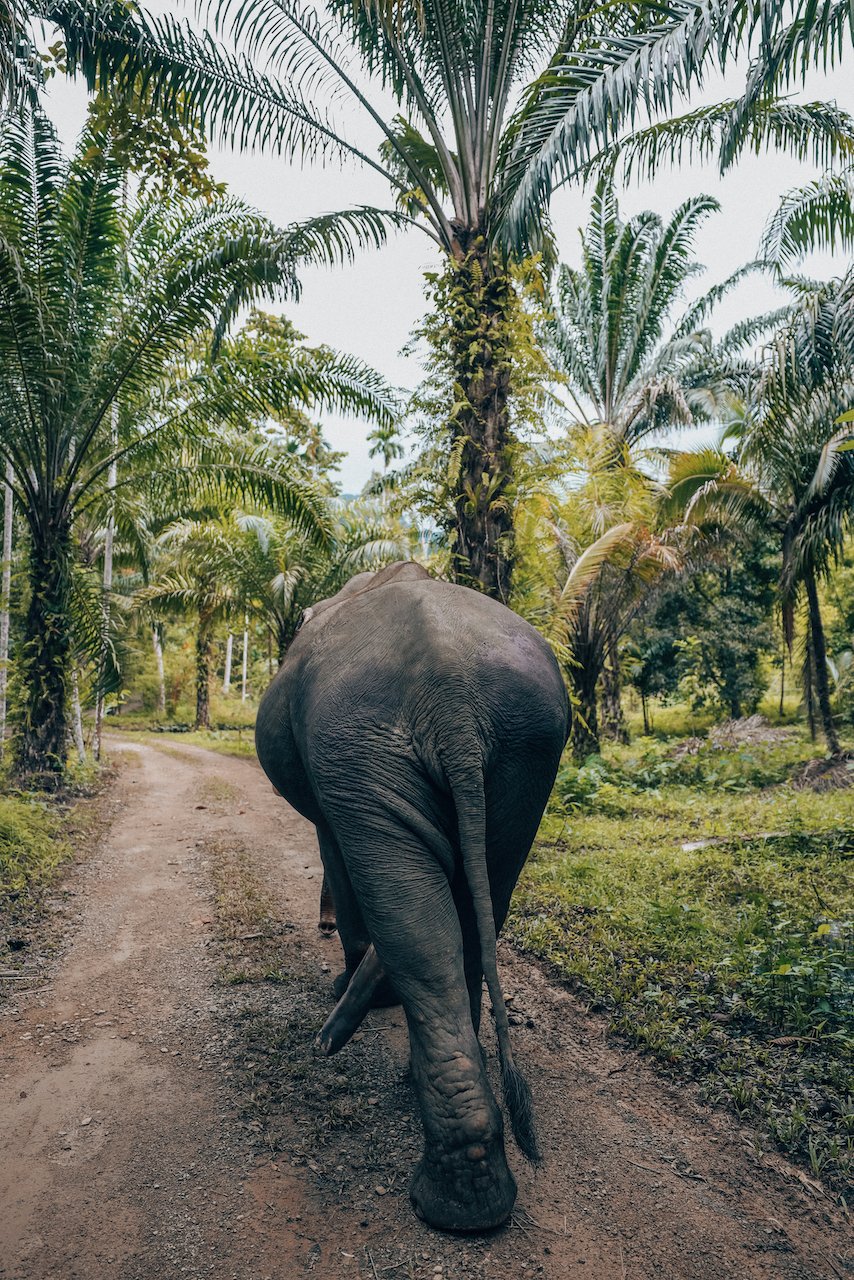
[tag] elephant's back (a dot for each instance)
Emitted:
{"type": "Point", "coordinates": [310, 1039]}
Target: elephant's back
{"type": "Point", "coordinates": [413, 648]}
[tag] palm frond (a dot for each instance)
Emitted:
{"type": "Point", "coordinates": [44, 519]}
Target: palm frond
{"type": "Point", "coordinates": [817, 216]}
{"type": "Point", "coordinates": [194, 79]}
{"type": "Point", "coordinates": [819, 132]}
{"type": "Point", "coordinates": [578, 106]}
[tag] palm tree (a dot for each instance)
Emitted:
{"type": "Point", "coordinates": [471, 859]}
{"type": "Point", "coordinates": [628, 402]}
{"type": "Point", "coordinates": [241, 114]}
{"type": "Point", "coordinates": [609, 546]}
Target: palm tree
{"type": "Point", "coordinates": [98, 300]}
{"type": "Point", "coordinates": [795, 472]}
{"type": "Point", "coordinates": [5, 601]}
{"type": "Point", "coordinates": [272, 381]}
{"type": "Point", "coordinates": [629, 364]}
{"type": "Point", "coordinates": [385, 443]}
{"type": "Point", "coordinates": [199, 577]}
{"type": "Point", "coordinates": [632, 369]}
{"type": "Point", "coordinates": [498, 104]}
{"type": "Point", "coordinates": [817, 216]}
{"type": "Point", "coordinates": [590, 553]}
{"type": "Point", "coordinates": [805, 34]}
{"type": "Point", "coordinates": [282, 572]}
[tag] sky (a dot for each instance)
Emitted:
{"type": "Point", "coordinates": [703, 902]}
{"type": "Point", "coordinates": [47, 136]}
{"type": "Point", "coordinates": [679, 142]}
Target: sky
{"type": "Point", "coordinates": [369, 308]}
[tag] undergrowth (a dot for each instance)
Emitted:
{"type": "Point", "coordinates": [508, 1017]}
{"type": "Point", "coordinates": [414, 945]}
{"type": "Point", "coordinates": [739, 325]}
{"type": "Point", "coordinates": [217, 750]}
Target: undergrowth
{"type": "Point", "coordinates": [38, 835]}
{"type": "Point", "coordinates": [707, 908]}
{"type": "Point", "coordinates": [30, 846]}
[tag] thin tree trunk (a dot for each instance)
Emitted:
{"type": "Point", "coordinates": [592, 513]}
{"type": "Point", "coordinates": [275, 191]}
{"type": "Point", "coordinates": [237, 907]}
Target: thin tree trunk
{"type": "Point", "coordinates": [480, 303]}
{"type": "Point", "coordinates": [269, 652]}
{"type": "Point", "coordinates": [613, 720]}
{"type": "Point", "coordinates": [77, 716]}
{"type": "Point", "coordinates": [782, 681]}
{"type": "Point", "coordinates": [204, 654]}
{"type": "Point", "coordinates": [808, 682]}
{"type": "Point", "coordinates": [5, 602]}
{"type": "Point", "coordinates": [229, 650]}
{"type": "Point", "coordinates": [108, 586]}
{"type": "Point", "coordinates": [157, 645]}
{"type": "Point", "coordinates": [245, 659]}
{"type": "Point", "coordinates": [42, 745]}
{"type": "Point", "coordinates": [645, 713]}
{"type": "Point", "coordinates": [819, 648]}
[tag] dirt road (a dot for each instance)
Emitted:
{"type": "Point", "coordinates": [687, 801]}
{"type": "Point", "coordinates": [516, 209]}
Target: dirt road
{"type": "Point", "coordinates": [163, 1114]}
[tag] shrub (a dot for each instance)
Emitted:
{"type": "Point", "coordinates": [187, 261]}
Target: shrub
{"type": "Point", "coordinates": [30, 846]}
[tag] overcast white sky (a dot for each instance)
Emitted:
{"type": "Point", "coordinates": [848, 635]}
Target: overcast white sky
{"type": "Point", "coordinates": [370, 307]}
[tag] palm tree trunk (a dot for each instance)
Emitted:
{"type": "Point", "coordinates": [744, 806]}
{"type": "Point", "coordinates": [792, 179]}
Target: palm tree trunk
{"type": "Point", "coordinates": [584, 732]}
{"type": "Point", "coordinates": [204, 655]}
{"type": "Point", "coordinates": [5, 602]}
{"type": "Point", "coordinates": [157, 645]}
{"type": "Point", "coordinates": [245, 659]}
{"type": "Point", "coordinates": [613, 720]}
{"type": "Point", "coordinates": [77, 716]}
{"type": "Point", "coordinates": [229, 650]}
{"type": "Point", "coordinates": [108, 586]}
{"type": "Point", "coordinates": [42, 745]}
{"type": "Point", "coordinates": [479, 303]}
{"type": "Point", "coordinates": [819, 649]}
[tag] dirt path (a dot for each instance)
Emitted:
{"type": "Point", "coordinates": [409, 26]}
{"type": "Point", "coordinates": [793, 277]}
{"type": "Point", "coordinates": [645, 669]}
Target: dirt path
{"type": "Point", "coordinates": [160, 1120]}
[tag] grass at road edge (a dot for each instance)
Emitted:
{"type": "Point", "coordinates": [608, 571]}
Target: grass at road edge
{"type": "Point", "coordinates": [238, 742]}
{"type": "Point", "coordinates": [39, 836]}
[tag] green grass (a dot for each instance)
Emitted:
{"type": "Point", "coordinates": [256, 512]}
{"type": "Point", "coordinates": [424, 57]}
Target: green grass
{"type": "Point", "coordinates": [238, 742]}
{"type": "Point", "coordinates": [731, 960]}
{"type": "Point", "coordinates": [31, 848]}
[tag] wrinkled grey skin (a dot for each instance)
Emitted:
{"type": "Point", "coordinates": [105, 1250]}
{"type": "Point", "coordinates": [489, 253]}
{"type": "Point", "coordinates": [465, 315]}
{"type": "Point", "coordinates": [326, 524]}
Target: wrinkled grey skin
{"type": "Point", "coordinates": [419, 725]}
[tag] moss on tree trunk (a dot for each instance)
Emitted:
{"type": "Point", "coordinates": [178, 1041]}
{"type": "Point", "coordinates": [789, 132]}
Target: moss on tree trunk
{"type": "Point", "coordinates": [480, 299]}
{"type": "Point", "coordinates": [204, 658]}
{"type": "Point", "coordinates": [41, 746]}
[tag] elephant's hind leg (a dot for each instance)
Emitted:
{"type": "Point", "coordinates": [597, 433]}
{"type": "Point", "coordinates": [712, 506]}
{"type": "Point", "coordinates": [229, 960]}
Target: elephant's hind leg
{"type": "Point", "coordinates": [348, 918]}
{"type": "Point", "coordinates": [472, 966]}
{"type": "Point", "coordinates": [462, 1182]}
{"type": "Point", "coordinates": [348, 915]}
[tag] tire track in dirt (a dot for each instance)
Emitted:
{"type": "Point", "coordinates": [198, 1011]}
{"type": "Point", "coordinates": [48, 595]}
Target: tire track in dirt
{"type": "Point", "coordinates": [159, 1123]}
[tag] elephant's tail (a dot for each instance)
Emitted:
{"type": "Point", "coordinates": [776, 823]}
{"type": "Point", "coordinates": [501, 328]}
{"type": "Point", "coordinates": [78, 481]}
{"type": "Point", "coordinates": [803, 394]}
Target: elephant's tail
{"type": "Point", "coordinates": [471, 821]}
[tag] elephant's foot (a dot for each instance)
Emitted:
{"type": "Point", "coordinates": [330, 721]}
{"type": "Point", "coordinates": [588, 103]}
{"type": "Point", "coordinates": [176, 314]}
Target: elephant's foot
{"type": "Point", "coordinates": [468, 1189]}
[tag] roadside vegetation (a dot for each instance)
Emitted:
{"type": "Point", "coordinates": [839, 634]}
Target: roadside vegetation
{"type": "Point", "coordinates": [31, 847]}
{"type": "Point", "coordinates": [702, 900]}
{"type": "Point", "coordinates": [40, 837]}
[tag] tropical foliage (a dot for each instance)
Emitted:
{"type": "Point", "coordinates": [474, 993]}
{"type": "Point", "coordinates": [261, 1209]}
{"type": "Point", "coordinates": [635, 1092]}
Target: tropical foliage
{"type": "Point", "coordinates": [104, 381]}
{"type": "Point", "coordinates": [628, 362]}
{"type": "Point", "coordinates": [795, 472]}
{"type": "Point", "coordinates": [498, 105]}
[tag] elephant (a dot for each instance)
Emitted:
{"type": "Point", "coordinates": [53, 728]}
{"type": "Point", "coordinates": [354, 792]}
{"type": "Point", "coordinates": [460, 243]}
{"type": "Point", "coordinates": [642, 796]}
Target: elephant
{"type": "Point", "coordinates": [419, 725]}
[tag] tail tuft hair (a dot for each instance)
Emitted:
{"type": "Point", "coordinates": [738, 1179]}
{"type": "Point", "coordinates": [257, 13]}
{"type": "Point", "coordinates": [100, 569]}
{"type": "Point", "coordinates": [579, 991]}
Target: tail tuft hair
{"type": "Point", "coordinates": [520, 1108]}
